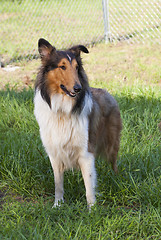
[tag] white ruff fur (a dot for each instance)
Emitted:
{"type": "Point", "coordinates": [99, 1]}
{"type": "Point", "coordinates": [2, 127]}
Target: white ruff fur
{"type": "Point", "coordinates": [65, 138]}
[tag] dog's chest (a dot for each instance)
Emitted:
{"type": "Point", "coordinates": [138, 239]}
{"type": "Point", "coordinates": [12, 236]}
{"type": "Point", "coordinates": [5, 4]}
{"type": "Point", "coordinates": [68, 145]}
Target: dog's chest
{"type": "Point", "coordinates": [66, 139]}
{"type": "Point", "coordinates": [64, 136]}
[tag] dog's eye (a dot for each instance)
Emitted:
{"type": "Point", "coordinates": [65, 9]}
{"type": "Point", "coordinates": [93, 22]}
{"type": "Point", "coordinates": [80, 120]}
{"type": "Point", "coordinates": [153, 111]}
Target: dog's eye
{"type": "Point", "coordinates": [63, 67]}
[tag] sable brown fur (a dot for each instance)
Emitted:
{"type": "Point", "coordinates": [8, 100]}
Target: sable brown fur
{"type": "Point", "coordinates": [105, 126]}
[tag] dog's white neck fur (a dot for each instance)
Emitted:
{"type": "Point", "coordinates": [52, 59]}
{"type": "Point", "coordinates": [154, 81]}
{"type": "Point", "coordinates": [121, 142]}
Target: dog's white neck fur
{"type": "Point", "coordinates": [64, 104]}
{"type": "Point", "coordinates": [64, 135]}
{"type": "Point", "coordinates": [61, 104]}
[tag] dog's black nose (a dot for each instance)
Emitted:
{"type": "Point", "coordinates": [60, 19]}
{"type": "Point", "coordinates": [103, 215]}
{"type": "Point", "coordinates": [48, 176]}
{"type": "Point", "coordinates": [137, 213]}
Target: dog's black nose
{"type": "Point", "coordinates": [77, 88]}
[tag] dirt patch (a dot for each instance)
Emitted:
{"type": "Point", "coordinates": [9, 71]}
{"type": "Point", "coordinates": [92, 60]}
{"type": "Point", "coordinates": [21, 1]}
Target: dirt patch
{"type": "Point", "coordinates": [6, 195]}
{"type": "Point", "coordinates": [19, 76]}
{"type": "Point", "coordinates": [2, 195]}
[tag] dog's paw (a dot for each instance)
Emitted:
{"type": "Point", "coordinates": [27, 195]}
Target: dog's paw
{"type": "Point", "coordinates": [58, 203]}
{"type": "Point", "coordinates": [91, 207]}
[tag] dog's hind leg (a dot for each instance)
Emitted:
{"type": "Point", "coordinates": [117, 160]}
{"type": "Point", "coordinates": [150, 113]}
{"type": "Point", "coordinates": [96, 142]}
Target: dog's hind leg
{"type": "Point", "coordinates": [59, 182]}
{"type": "Point", "coordinates": [113, 129]}
{"type": "Point", "coordinates": [113, 160]}
{"type": "Point", "coordinates": [87, 166]}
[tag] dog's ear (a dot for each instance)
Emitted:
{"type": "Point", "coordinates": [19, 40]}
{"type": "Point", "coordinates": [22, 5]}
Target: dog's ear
{"type": "Point", "coordinates": [45, 49]}
{"type": "Point", "coordinates": [77, 49]}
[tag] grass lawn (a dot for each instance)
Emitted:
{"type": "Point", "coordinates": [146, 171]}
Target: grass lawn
{"type": "Point", "coordinates": [129, 204]}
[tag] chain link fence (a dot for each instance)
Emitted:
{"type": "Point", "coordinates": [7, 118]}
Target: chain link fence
{"type": "Point", "coordinates": [134, 20]}
{"type": "Point", "coordinates": [68, 22]}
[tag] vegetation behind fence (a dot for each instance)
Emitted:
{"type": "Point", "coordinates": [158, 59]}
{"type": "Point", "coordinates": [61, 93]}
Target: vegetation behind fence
{"type": "Point", "coordinates": [67, 22]}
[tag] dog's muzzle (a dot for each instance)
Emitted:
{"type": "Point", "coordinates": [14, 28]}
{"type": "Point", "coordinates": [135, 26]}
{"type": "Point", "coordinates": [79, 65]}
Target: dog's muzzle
{"type": "Point", "coordinates": [77, 88]}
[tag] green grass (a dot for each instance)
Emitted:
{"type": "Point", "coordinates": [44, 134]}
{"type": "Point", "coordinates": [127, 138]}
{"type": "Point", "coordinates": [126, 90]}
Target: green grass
{"type": "Point", "coordinates": [129, 204]}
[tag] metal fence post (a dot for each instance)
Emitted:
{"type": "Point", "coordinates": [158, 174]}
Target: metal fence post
{"type": "Point", "coordinates": [105, 7]}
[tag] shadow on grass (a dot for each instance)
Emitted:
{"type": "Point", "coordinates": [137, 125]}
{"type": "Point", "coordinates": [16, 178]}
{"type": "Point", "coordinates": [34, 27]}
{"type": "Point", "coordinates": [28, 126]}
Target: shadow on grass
{"type": "Point", "coordinates": [26, 169]}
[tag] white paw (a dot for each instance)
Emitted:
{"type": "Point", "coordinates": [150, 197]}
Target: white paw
{"type": "Point", "coordinates": [58, 203]}
{"type": "Point", "coordinates": [90, 207]}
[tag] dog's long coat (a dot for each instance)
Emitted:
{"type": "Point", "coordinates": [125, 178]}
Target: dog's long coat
{"type": "Point", "coordinates": [77, 123]}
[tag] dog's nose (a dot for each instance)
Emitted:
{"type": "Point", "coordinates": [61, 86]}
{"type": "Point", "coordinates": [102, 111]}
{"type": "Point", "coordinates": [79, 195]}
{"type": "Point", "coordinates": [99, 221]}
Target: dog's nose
{"type": "Point", "coordinates": [77, 88]}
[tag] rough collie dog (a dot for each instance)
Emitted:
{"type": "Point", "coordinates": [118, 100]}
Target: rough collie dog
{"type": "Point", "coordinates": [77, 123]}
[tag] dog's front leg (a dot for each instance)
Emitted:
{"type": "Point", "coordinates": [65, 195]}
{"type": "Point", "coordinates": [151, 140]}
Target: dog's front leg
{"type": "Point", "coordinates": [87, 166]}
{"type": "Point", "coordinates": [59, 179]}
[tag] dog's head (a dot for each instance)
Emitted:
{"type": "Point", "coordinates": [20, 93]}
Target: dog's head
{"type": "Point", "coordinates": [60, 70]}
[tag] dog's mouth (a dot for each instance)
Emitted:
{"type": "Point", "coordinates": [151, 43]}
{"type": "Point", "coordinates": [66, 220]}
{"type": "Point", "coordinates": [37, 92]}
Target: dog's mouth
{"type": "Point", "coordinates": [71, 93]}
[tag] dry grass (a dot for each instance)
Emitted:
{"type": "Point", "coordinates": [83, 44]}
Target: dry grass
{"type": "Point", "coordinates": [121, 63]}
